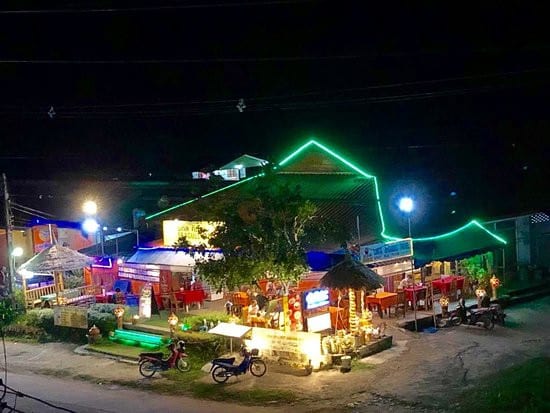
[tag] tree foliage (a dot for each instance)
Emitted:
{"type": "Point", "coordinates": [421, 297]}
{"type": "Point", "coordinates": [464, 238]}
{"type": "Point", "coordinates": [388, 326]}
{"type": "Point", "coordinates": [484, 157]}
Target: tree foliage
{"type": "Point", "coordinates": [264, 235]}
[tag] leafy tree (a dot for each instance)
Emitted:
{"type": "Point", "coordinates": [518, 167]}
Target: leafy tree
{"type": "Point", "coordinates": [264, 235]}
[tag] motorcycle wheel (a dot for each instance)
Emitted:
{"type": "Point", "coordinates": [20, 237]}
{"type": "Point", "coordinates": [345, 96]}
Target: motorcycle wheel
{"type": "Point", "coordinates": [220, 374]}
{"type": "Point", "coordinates": [455, 321]}
{"type": "Point", "coordinates": [488, 323]}
{"type": "Point", "coordinates": [147, 368]}
{"type": "Point", "coordinates": [183, 365]}
{"type": "Point", "coordinates": [257, 368]}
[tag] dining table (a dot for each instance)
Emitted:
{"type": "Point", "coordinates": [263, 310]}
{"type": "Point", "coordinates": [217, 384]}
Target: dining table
{"type": "Point", "coordinates": [189, 297]}
{"type": "Point", "coordinates": [444, 284]}
{"type": "Point", "coordinates": [382, 301]}
{"type": "Point", "coordinates": [417, 292]}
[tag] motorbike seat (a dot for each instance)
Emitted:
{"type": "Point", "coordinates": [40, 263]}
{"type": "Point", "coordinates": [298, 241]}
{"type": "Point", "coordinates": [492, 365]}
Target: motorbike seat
{"type": "Point", "coordinates": [226, 365]}
{"type": "Point", "coordinates": [158, 354]}
{"type": "Point", "coordinates": [230, 360]}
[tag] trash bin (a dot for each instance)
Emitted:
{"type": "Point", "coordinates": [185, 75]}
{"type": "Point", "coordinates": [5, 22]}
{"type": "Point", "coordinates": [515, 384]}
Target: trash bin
{"type": "Point", "coordinates": [346, 364]}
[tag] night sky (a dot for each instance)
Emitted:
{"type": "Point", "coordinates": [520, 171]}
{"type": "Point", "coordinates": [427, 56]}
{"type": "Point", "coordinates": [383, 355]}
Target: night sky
{"type": "Point", "coordinates": [431, 100]}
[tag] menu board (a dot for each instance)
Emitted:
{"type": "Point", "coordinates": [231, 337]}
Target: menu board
{"type": "Point", "coordinates": [145, 301]}
{"type": "Point", "coordinates": [71, 316]}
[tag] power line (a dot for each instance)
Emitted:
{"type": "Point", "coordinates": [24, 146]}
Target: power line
{"type": "Point", "coordinates": [157, 8]}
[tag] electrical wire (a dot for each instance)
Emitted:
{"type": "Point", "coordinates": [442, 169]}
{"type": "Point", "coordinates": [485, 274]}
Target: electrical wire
{"type": "Point", "coordinates": [158, 8]}
{"type": "Point", "coordinates": [21, 394]}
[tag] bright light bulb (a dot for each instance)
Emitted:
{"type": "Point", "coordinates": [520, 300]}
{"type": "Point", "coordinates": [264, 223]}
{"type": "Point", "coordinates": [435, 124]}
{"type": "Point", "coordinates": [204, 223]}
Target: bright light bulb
{"type": "Point", "coordinates": [17, 252]}
{"type": "Point", "coordinates": [90, 225]}
{"type": "Point", "coordinates": [406, 204]}
{"type": "Point", "coordinates": [89, 208]}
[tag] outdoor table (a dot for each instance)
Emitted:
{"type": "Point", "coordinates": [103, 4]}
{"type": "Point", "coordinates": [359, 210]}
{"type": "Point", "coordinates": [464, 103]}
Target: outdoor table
{"type": "Point", "coordinates": [418, 291]}
{"type": "Point", "coordinates": [444, 284]}
{"type": "Point", "coordinates": [383, 301]}
{"type": "Point", "coordinates": [189, 297]}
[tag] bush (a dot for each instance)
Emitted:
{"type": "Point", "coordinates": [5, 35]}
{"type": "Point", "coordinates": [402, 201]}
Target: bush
{"type": "Point", "coordinates": [24, 331]}
{"type": "Point", "coordinates": [196, 323]}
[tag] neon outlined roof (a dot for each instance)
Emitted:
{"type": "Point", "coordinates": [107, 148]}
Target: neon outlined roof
{"type": "Point", "coordinates": [355, 168]}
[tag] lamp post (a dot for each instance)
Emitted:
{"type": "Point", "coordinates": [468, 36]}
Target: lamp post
{"type": "Point", "coordinates": [172, 322]}
{"type": "Point", "coordinates": [406, 205]}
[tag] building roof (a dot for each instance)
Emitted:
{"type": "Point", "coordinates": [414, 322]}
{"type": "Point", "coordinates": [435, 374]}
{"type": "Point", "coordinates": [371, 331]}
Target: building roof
{"type": "Point", "coordinates": [245, 161]}
{"type": "Point", "coordinates": [343, 192]}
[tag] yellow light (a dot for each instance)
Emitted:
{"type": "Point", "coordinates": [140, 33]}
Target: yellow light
{"type": "Point", "coordinates": [89, 208]}
{"type": "Point", "coordinates": [119, 312]}
{"type": "Point", "coordinates": [444, 301]}
{"type": "Point", "coordinates": [495, 282]}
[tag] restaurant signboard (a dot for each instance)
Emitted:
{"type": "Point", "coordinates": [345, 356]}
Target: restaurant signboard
{"type": "Point", "coordinates": [386, 251]}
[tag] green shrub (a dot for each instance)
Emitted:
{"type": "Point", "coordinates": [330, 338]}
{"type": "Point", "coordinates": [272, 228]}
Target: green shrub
{"type": "Point", "coordinates": [24, 331]}
{"type": "Point", "coordinates": [104, 321]}
{"type": "Point", "coordinates": [196, 322]}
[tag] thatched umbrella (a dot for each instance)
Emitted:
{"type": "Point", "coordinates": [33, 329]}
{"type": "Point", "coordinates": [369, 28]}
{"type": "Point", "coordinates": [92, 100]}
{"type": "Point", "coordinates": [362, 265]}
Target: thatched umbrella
{"type": "Point", "coordinates": [352, 275]}
{"type": "Point", "coordinates": [55, 259]}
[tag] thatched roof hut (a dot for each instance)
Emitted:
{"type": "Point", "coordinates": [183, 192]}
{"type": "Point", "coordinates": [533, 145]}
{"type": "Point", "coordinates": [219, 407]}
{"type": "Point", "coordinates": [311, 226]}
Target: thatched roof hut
{"type": "Point", "coordinates": [351, 274]}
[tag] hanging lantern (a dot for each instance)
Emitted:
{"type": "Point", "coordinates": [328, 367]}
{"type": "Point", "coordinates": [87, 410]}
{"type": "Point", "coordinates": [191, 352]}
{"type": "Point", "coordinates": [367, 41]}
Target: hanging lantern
{"type": "Point", "coordinates": [353, 321]}
{"type": "Point", "coordinates": [444, 303]}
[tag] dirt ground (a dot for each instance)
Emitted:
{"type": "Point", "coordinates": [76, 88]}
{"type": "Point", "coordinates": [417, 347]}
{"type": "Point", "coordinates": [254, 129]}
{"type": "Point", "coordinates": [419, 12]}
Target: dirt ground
{"type": "Point", "coordinates": [421, 372]}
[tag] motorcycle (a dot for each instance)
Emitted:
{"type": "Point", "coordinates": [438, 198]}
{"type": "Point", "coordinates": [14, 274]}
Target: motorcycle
{"type": "Point", "coordinates": [150, 363]}
{"type": "Point", "coordinates": [497, 314]}
{"type": "Point", "coordinates": [223, 368]}
{"type": "Point", "coordinates": [472, 316]}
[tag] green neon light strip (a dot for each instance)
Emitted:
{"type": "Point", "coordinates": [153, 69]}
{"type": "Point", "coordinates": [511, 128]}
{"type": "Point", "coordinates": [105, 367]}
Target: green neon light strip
{"type": "Point", "coordinates": [356, 169]}
{"type": "Point", "coordinates": [196, 199]}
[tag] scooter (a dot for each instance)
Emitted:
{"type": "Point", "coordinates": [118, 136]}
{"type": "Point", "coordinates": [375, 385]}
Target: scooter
{"type": "Point", "coordinates": [223, 368]}
{"type": "Point", "coordinates": [471, 316]}
{"type": "Point", "coordinates": [497, 314]}
{"type": "Point", "coordinates": [150, 363]}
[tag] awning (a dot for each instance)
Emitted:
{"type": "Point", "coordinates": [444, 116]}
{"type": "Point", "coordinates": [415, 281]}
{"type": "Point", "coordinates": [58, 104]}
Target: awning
{"type": "Point", "coordinates": [471, 239]}
{"type": "Point", "coordinates": [230, 330]}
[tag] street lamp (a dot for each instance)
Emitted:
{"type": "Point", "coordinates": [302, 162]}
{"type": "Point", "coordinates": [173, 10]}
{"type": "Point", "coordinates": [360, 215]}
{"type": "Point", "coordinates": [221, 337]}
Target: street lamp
{"type": "Point", "coordinates": [406, 205]}
{"type": "Point", "coordinates": [17, 252]}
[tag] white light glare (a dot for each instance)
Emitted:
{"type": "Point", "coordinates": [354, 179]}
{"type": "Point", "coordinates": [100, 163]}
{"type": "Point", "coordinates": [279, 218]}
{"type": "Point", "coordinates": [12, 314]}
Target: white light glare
{"type": "Point", "coordinates": [89, 208]}
{"type": "Point", "coordinates": [17, 252]}
{"type": "Point", "coordinates": [90, 225]}
{"type": "Point", "coordinates": [406, 204]}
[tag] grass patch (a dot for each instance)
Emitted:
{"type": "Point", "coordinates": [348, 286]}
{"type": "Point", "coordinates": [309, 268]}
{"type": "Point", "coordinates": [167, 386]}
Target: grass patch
{"type": "Point", "coordinates": [117, 350]}
{"type": "Point", "coordinates": [522, 388]}
{"type": "Point", "coordinates": [357, 365]}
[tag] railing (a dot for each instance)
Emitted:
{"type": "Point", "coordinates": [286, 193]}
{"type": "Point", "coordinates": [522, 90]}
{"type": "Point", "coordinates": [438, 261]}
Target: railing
{"type": "Point", "coordinates": [33, 297]}
{"type": "Point", "coordinates": [72, 295]}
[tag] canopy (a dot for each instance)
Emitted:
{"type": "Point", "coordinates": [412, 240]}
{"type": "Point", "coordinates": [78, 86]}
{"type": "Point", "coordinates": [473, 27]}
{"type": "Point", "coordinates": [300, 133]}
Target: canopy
{"type": "Point", "coordinates": [230, 330]}
{"type": "Point", "coordinates": [351, 274]}
{"type": "Point", "coordinates": [56, 258]}
{"type": "Point", "coordinates": [468, 240]}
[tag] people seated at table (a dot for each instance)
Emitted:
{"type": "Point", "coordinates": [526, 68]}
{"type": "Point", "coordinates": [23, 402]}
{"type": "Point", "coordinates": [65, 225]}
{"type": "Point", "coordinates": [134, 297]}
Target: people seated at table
{"type": "Point", "coordinates": [405, 282]}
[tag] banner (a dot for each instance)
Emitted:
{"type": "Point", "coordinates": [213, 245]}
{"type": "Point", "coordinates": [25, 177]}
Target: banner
{"type": "Point", "coordinates": [386, 251]}
{"type": "Point", "coordinates": [71, 316]}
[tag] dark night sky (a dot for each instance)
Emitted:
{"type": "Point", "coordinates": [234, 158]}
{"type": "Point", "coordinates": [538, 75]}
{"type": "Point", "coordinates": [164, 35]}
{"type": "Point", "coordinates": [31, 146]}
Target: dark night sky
{"type": "Point", "coordinates": [434, 99]}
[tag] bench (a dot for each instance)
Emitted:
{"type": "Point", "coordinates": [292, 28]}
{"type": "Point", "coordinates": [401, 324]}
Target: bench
{"type": "Point", "coordinates": [138, 339]}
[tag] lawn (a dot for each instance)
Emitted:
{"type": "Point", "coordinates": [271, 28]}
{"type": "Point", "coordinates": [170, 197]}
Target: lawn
{"type": "Point", "coordinates": [522, 388]}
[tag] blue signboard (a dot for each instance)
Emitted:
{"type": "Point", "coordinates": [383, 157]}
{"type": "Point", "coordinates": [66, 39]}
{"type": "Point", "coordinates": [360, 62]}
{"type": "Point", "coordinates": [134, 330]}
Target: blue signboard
{"type": "Point", "coordinates": [316, 298]}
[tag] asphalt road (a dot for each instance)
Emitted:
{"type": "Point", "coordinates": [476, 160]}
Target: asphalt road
{"type": "Point", "coordinates": [83, 397]}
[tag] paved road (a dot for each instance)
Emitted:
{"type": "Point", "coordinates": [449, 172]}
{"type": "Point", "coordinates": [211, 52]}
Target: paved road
{"type": "Point", "coordinates": [83, 397]}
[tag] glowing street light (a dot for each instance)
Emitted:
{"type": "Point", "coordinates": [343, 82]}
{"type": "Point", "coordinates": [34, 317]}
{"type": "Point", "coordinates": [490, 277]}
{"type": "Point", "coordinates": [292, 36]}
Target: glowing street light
{"type": "Point", "coordinates": [17, 252]}
{"type": "Point", "coordinates": [406, 205]}
{"type": "Point", "coordinates": [89, 208]}
{"type": "Point", "coordinates": [90, 225]}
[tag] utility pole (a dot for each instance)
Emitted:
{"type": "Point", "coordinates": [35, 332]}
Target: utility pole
{"type": "Point", "coordinates": [9, 237]}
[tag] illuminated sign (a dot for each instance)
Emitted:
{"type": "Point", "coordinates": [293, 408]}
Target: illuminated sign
{"type": "Point", "coordinates": [319, 323]}
{"type": "Point", "coordinates": [145, 301]}
{"type": "Point", "coordinates": [195, 232]}
{"type": "Point", "coordinates": [316, 299]}
{"type": "Point", "coordinates": [386, 251]}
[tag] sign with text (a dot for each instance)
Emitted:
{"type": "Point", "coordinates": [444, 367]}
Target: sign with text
{"type": "Point", "coordinates": [70, 316]}
{"type": "Point", "coordinates": [319, 322]}
{"type": "Point", "coordinates": [316, 298]}
{"type": "Point", "coordinates": [386, 251]}
{"type": "Point", "coordinates": [145, 301]}
{"type": "Point", "coordinates": [296, 347]}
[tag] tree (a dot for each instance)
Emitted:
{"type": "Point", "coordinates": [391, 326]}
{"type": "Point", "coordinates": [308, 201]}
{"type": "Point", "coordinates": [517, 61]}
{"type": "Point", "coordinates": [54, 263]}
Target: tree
{"type": "Point", "coordinates": [264, 235]}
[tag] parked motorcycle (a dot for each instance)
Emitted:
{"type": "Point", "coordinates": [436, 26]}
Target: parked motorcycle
{"type": "Point", "coordinates": [472, 316]}
{"type": "Point", "coordinates": [223, 368]}
{"type": "Point", "coordinates": [497, 314]}
{"type": "Point", "coordinates": [150, 363]}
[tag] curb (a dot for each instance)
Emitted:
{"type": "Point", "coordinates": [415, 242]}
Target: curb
{"type": "Point", "coordinates": [84, 350]}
